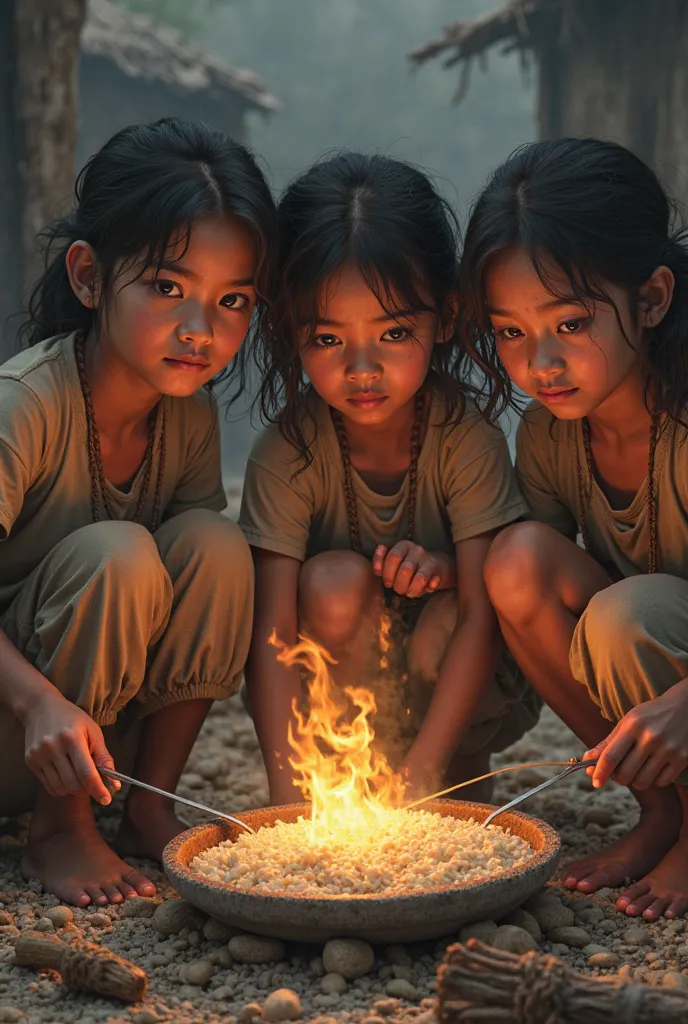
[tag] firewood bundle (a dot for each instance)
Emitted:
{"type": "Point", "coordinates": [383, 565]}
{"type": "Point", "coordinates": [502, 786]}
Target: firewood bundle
{"type": "Point", "coordinates": [84, 966]}
{"type": "Point", "coordinates": [477, 984]}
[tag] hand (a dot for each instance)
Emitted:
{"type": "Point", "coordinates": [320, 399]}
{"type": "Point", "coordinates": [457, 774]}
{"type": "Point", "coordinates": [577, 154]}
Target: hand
{"type": "Point", "coordinates": [421, 776]}
{"type": "Point", "coordinates": [411, 570]}
{"type": "Point", "coordinates": [649, 746]}
{"type": "Point", "coordinates": [64, 748]}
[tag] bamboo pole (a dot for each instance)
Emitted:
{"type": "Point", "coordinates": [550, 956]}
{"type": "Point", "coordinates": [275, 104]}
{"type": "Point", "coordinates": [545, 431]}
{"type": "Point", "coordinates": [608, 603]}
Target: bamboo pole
{"type": "Point", "coordinates": [82, 966]}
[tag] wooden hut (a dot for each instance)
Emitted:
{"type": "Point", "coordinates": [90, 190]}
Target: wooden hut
{"type": "Point", "coordinates": [610, 68]}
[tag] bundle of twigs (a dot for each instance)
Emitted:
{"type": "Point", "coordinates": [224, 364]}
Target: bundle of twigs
{"type": "Point", "coordinates": [480, 985]}
{"type": "Point", "coordinates": [84, 966]}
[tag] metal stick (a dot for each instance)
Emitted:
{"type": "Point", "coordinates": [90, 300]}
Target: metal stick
{"type": "Point", "coordinates": [178, 799]}
{"type": "Point", "coordinates": [538, 789]}
{"type": "Point", "coordinates": [489, 775]}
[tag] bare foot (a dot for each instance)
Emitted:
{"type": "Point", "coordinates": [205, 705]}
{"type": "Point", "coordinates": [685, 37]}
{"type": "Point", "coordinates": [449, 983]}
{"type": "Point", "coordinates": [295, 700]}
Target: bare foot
{"type": "Point", "coordinates": [664, 890]}
{"type": "Point", "coordinates": [75, 864]}
{"type": "Point", "coordinates": [632, 856]}
{"type": "Point", "coordinates": [146, 829]}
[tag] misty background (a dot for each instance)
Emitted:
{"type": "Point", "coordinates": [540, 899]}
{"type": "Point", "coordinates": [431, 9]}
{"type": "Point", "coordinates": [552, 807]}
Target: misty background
{"type": "Point", "coordinates": [341, 70]}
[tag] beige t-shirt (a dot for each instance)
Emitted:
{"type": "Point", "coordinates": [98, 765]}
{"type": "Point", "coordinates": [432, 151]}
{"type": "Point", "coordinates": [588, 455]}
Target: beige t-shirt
{"type": "Point", "coordinates": [546, 466]}
{"type": "Point", "coordinates": [45, 484]}
{"type": "Point", "coordinates": [466, 486]}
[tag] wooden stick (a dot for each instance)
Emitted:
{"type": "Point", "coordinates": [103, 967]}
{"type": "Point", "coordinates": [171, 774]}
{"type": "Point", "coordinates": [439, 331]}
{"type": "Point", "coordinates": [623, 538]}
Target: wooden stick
{"type": "Point", "coordinates": [82, 966]}
{"type": "Point", "coordinates": [477, 984]}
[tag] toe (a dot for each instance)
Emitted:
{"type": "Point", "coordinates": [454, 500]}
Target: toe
{"type": "Point", "coordinates": [640, 905]}
{"type": "Point", "coordinates": [139, 882]}
{"type": "Point", "coordinates": [97, 895]}
{"type": "Point", "coordinates": [677, 908]}
{"type": "Point", "coordinates": [112, 892]}
{"type": "Point", "coordinates": [656, 908]}
{"type": "Point", "coordinates": [128, 892]}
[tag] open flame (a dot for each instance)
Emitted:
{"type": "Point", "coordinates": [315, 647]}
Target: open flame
{"type": "Point", "coordinates": [350, 786]}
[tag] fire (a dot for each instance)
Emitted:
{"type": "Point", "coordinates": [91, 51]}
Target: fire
{"type": "Point", "coordinates": [350, 786]}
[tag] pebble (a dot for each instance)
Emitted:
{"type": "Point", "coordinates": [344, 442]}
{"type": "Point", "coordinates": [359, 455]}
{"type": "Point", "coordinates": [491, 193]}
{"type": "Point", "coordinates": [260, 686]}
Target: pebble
{"type": "Point", "coordinates": [386, 1007]}
{"type": "Point", "coordinates": [146, 1017]}
{"type": "Point", "coordinates": [249, 1012]}
{"type": "Point", "coordinates": [10, 1014]}
{"type": "Point", "coordinates": [325, 999]}
{"type": "Point", "coordinates": [604, 959]}
{"type": "Point", "coordinates": [256, 949]}
{"type": "Point", "coordinates": [636, 935]}
{"type": "Point", "coordinates": [485, 931]}
{"type": "Point", "coordinates": [218, 931]}
{"type": "Point", "coordinates": [571, 936]}
{"type": "Point", "coordinates": [60, 916]}
{"type": "Point", "coordinates": [6, 918]}
{"type": "Point", "coordinates": [173, 915]}
{"type": "Point", "coordinates": [99, 920]}
{"type": "Point", "coordinates": [402, 989]}
{"type": "Point", "coordinates": [407, 973]}
{"type": "Point", "coordinates": [223, 993]}
{"type": "Point", "coordinates": [139, 906]}
{"type": "Point", "coordinates": [513, 939]}
{"type": "Point", "coordinates": [333, 984]}
{"type": "Point", "coordinates": [222, 957]}
{"type": "Point", "coordinates": [399, 956]}
{"type": "Point", "coordinates": [559, 949]}
{"type": "Point", "coordinates": [674, 979]}
{"type": "Point", "coordinates": [352, 958]}
{"type": "Point", "coordinates": [522, 919]}
{"type": "Point", "coordinates": [198, 972]}
{"type": "Point", "coordinates": [602, 816]}
{"type": "Point", "coordinates": [591, 915]}
{"type": "Point", "coordinates": [552, 915]}
{"type": "Point", "coordinates": [44, 924]}
{"type": "Point", "coordinates": [607, 927]}
{"type": "Point", "coordinates": [281, 1005]}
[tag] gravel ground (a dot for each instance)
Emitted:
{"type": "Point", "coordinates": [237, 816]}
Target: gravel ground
{"type": "Point", "coordinates": [196, 973]}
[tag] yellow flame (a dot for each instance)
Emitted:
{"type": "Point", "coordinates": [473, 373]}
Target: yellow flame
{"type": "Point", "coordinates": [350, 786]}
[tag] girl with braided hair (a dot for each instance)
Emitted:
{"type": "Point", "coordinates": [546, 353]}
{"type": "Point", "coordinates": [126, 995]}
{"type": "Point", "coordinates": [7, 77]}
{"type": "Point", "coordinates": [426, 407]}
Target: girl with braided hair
{"type": "Point", "coordinates": [575, 289]}
{"type": "Point", "coordinates": [378, 479]}
{"type": "Point", "coordinates": [126, 599]}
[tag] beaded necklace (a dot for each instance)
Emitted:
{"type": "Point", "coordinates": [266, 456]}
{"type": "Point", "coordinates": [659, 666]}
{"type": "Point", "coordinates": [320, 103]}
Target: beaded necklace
{"type": "Point", "coordinates": [95, 458]}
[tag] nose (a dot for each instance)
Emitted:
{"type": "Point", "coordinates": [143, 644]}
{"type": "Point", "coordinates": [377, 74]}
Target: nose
{"type": "Point", "coordinates": [545, 359]}
{"type": "Point", "coordinates": [363, 365]}
{"type": "Point", "coordinates": [195, 329]}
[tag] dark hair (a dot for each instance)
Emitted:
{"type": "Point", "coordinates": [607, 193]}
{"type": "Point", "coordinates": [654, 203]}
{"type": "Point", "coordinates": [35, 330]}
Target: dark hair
{"type": "Point", "coordinates": [135, 197]}
{"type": "Point", "coordinates": [387, 218]}
{"type": "Point", "coordinates": [600, 214]}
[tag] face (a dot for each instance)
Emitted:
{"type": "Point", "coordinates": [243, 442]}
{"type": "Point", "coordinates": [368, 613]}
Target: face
{"type": "Point", "coordinates": [363, 361]}
{"type": "Point", "coordinates": [177, 327]}
{"type": "Point", "coordinates": [570, 358]}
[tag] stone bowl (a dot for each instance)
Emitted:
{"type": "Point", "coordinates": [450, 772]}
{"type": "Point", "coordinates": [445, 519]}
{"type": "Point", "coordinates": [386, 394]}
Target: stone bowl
{"type": "Point", "coordinates": [381, 919]}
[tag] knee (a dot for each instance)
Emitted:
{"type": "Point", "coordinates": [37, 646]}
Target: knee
{"type": "Point", "coordinates": [614, 617]}
{"type": "Point", "coordinates": [336, 590]}
{"type": "Point", "coordinates": [123, 552]}
{"type": "Point", "coordinates": [428, 643]}
{"type": "Point", "coordinates": [515, 574]}
{"type": "Point", "coordinates": [205, 542]}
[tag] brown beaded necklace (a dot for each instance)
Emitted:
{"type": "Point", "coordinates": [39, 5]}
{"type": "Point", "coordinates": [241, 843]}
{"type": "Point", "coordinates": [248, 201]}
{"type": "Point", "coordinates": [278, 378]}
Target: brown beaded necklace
{"type": "Point", "coordinates": [586, 493]}
{"type": "Point", "coordinates": [95, 458]}
{"type": "Point", "coordinates": [349, 490]}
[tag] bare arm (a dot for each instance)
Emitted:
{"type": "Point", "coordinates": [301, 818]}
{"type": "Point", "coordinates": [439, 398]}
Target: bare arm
{"type": "Point", "coordinates": [272, 686]}
{"type": "Point", "coordinates": [469, 663]}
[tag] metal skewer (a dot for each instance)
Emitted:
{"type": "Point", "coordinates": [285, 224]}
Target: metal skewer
{"type": "Point", "coordinates": [538, 789]}
{"type": "Point", "coordinates": [178, 799]}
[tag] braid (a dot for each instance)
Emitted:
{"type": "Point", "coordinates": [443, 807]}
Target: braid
{"type": "Point", "coordinates": [349, 490]}
{"type": "Point", "coordinates": [95, 458]}
{"type": "Point", "coordinates": [585, 494]}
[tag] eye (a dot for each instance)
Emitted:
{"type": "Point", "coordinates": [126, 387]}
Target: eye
{"type": "Point", "coordinates": [326, 340]}
{"type": "Point", "coordinates": [234, 300]}
{"type": "Point", "coordinates": [396, 334]}
{"type": "Point", "coordinates": [508, 333]}
{"type": "Point", "coordinates": [574, 326]}
{"type": "Point", "coordinates": [167, 288]}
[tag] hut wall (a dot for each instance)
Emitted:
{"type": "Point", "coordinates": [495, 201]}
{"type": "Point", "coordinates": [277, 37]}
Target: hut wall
{"type": "Point", "coordinates": [110, 100]}
{"type": "Point", "coordinates": [618, 70]}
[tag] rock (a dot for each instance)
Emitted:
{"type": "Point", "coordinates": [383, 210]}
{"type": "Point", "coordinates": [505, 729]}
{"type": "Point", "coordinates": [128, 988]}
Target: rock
{"type": "Point", "coordinates": [218, 931]}
{"type": "Point", "coordinates": [44, 924]}
{"type": "Point", "coordinates": [325, 1000]}
{"type": "Point", "coordinates": [224, 992]}
{"type": "Point", "coordinates": [548, 897]}
{"type": "Point", "coordinates": [249, 1012]}
{"type": "Point", "coordinates": [352, 958]}
{"type": "Point", "coordinates": [592, 915]}
{"type": "Point", "coordinates": [333, 983]}
{"type": "Point", "coordinates": [522, 919]}
{"type": "Point", "coordinates": [608, 927]}
{"type": "Point", "coordinates": [398, 956]}
{"type": "Point", "coordinates": [256, 949]}
{"type": "Point", "coordinates": [9, 931]}
{"type": "Point", "coordinates": [571, 936]}
{"type": "Point", "coordinates": [10, 1014]}
{"type": "Point", "coordinates": [593, 947]}
{"type": "Point", "coordinates": [221, 957]}
{"type": "Point", "coordinates": [674, 979]}
{"type": "Point", "coordinates": [99, 920]}
{"type": "Point", "coordinates": [602, 816]}
{"type": "Point", "coordinates": [192, 780]}
{"type": "Point", "coordinates": [281, 1005]}
{"type": "Point", "coordinates": [60, 916]}
{"type": "Point", "coordinates": [604, 959]}
{"type": "Point", "coordinates": [560, 949]}
{"type": "Point", "coordinates": [485, 931]}
{"type": "Point", "coordinates": [210, 768]}
{"type": "Point", "coordinates": [407, 973]}
{"type": "Point", "coordinates": [552, 915]}
{"type": "Point", "coordinates": [198, 972]}
{"type": "Point", "coordinates": [402, 989]}
{"type": "Point", "coordinates": [139, 906]}
{"type": "Point", "coordinates": [682, 951]}
{"type": "Point", "coordinates": [316, 966]}
{"type": "Point", "coordinates": [385, 1007]}
{"type": "Point", "coordinates": [513, 939]}
{"type": "Point", "coordinates": [173, 915]}
{"type": "Point", "coordinates": [636, 935]}
{"type": "Point", "coordinates": [6, 918]}
{"type": "Point", "coordinates": [146, 1017]}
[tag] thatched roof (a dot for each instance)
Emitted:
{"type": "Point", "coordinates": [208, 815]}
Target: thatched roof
{"type": "Point", "coordinates": [145, 49]}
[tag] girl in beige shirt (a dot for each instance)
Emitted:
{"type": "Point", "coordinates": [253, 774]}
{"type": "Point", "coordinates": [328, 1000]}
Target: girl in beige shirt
{"type": "Point", "coordinates": [378, 480]}
{"type": "Point", "coordinates": [576, 290]}
{"type": "Point", "coordinates": [125, 597]}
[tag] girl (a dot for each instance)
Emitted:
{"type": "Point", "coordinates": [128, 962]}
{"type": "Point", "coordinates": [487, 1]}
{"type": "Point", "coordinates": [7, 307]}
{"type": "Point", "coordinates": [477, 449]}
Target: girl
{"type": "Point", "coordinates": [378, 477]}
{"type": "Point", "coordinates": [125, 598]}
{"type": "Point", "coordinates": [576, 290]}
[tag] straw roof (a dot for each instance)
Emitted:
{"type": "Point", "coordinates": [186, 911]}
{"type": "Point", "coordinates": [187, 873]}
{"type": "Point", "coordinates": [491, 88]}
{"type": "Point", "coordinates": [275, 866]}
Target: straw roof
{"type": "Point", "coordinates": [145, 49]}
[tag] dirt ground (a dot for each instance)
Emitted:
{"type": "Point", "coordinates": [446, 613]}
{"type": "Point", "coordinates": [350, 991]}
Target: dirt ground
{"type": "Point", "coordinates": [225, 771]}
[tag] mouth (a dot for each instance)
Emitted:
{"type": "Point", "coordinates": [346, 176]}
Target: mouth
{"type": "Point", "coordinates": [366, 400]}
{"type": "Point", "coordinates": [554, 395]}
{"type": "Point", "coordinates": [189, 364]}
